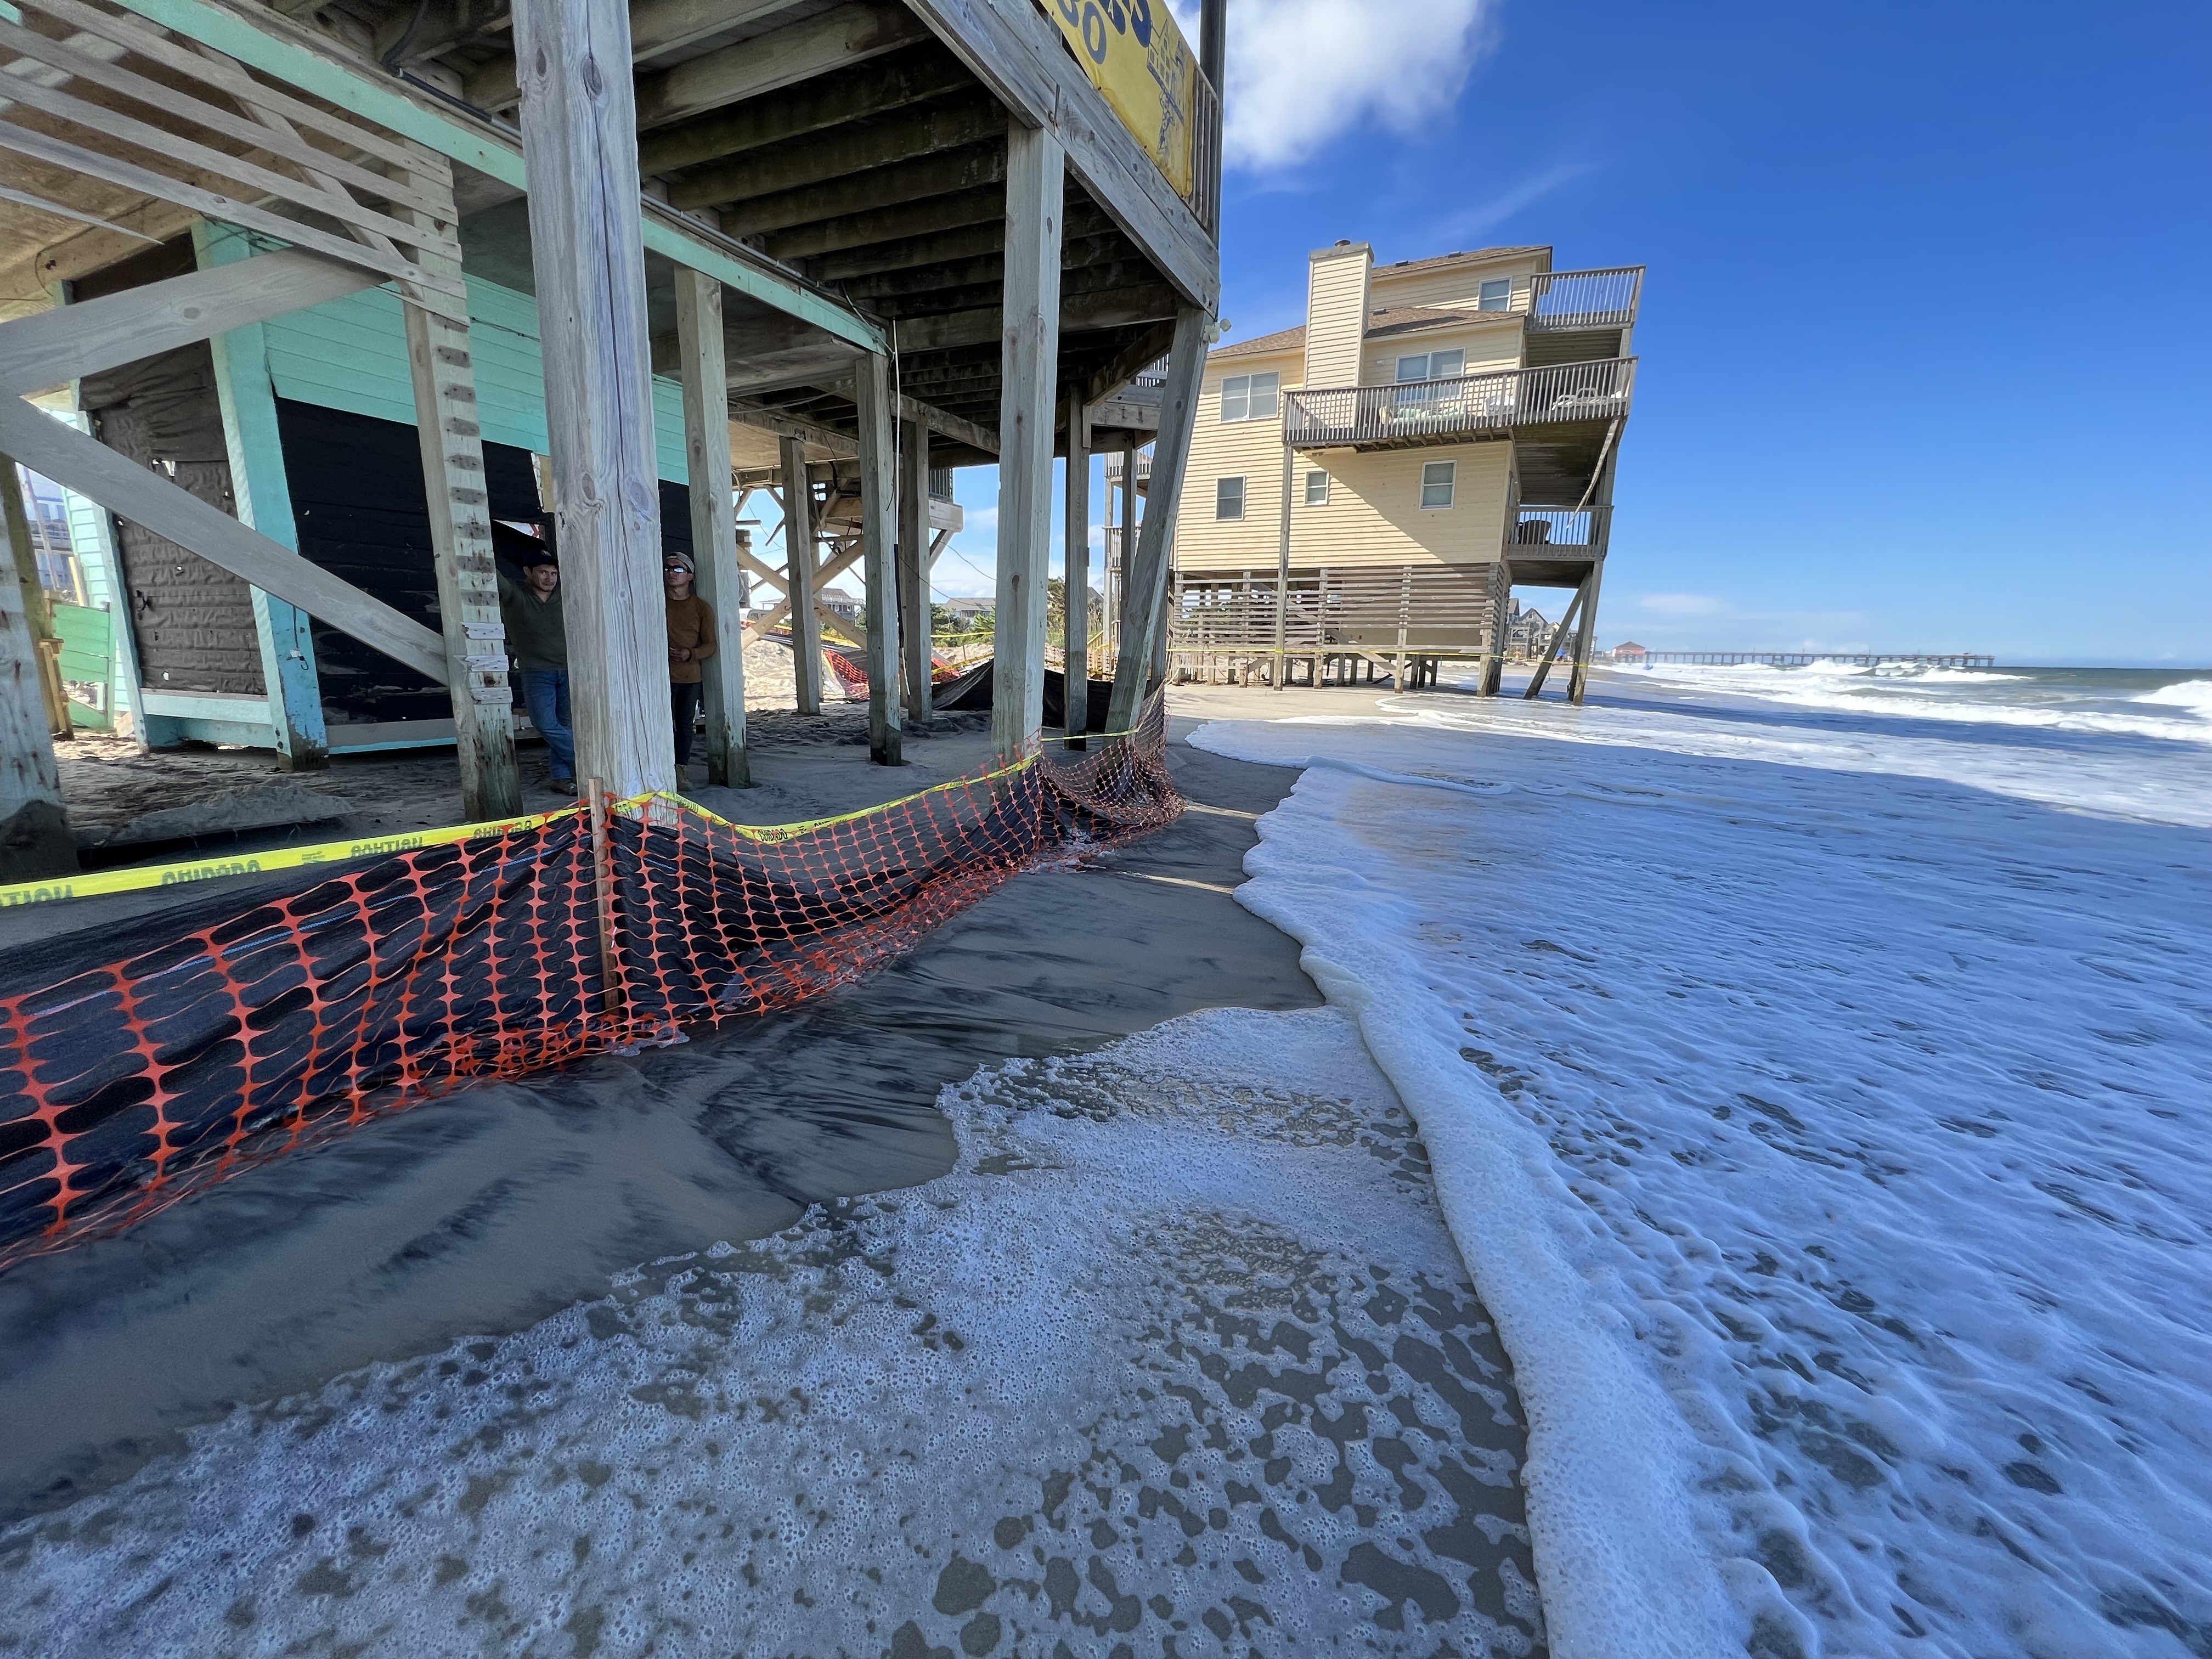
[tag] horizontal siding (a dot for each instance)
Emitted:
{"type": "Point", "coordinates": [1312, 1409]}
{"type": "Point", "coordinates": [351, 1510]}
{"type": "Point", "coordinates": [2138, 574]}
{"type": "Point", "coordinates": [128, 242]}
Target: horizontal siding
{"type": "Point", "coordinates": [1489, 347]}
{"type": "Point", "coordinates": [1453, 285]}
{"type": "Point", "coordinates": [1374, 514]}
{"type": "Point", "coordinates": [1250, 449]}
{"type": "Point", "coordinates": [351, 354]}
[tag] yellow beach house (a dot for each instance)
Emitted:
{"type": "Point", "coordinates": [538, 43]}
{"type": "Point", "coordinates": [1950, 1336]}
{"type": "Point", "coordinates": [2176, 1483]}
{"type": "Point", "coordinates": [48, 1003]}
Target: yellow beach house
{"type": "Point", "coordinates": [1364, 491]}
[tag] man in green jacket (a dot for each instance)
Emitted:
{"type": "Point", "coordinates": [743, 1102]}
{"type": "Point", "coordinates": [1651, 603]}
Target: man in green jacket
{"type": "Point", "coordinates": [538, 640]}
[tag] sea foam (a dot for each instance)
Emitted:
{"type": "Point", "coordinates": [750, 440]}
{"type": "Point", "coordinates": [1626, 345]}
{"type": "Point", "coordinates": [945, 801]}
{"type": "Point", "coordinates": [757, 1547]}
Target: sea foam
{"type": "Point", "coordinates": [1180, 1359]}
{"type": "Point", "coordinates": [1823, 1118]}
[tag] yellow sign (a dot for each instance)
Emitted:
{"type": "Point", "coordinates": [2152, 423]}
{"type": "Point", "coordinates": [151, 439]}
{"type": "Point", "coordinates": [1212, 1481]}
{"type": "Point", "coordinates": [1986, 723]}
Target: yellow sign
{"type": "Point", "coordinates": [1135, 55]}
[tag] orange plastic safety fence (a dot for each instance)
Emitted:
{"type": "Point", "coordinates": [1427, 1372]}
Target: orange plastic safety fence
{"type": "Point", "coordinates": [131, 1085]}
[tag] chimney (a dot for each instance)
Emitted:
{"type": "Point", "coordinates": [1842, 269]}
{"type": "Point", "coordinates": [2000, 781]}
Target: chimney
{"type": "Point", "coordinates": [1336, 312]}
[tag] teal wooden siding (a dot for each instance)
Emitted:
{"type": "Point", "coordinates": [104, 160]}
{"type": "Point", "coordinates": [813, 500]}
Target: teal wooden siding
{"type": "Point", "coordinates": [352, 354]}
{"type": "Point", "coordinates": [92, 538]}
{"type": "Point", "coordinates": [87, 660]}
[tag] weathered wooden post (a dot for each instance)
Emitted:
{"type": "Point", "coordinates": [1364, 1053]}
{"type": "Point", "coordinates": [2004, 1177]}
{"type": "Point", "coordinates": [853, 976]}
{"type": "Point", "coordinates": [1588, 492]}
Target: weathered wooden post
{"type": "Point", "coordinates": [34, 833]}
{"type": "Point", "coordinates": [1501, 617]}
{"type": "Point", "coordinates": [37, 609]}
{"type": "Point", "coordinates": [798, 577]}
{"type": "Point", "coordinates": [1030, 353]}
{"type": "Point", "coordinates": [872, 388]}
{"type": "Point", "coordinates": [914, 571]}
{"type": "Point", "coordinates": [1578, 679]}
{"type": "Point", "coordinates": [1559, 637]}
{"type": "Point", "coordinates": [442, 364]}
{"type": "Point", "coordinates": [580, 143]}
{"type": "Point", "coordinates": [1075, 652]}
{"type": "Point", "coordinates": [714, 520]}
{"type": "Point", "coordinates": [1144, 631]}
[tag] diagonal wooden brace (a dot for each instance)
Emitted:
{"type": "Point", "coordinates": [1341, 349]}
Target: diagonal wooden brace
{"type": "Point", "coordinates": [150, 501]}
{"type": "Point", "coordinates": [70, 341]}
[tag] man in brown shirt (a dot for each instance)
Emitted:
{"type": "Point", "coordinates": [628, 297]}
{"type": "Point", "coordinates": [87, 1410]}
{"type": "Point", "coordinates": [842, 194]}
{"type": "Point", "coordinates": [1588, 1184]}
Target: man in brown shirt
{"type": "Point", "coordinates": [690, 642]}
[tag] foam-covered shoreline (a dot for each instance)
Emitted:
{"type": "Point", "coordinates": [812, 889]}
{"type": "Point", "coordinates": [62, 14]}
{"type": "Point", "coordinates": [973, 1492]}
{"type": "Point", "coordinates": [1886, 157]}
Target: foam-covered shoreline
{"type": "Point", "coordinates": [1180, 1354]}
{"type": "Point", "coordinates": [1796, 1111]}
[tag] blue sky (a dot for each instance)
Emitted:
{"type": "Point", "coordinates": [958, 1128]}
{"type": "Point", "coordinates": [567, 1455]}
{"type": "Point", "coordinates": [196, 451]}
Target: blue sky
{"type": "Point", "coordinates": [1923, 366]}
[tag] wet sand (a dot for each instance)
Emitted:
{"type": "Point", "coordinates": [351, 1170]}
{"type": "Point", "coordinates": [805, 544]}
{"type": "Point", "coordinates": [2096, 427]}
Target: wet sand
{"type": "Point", "coordinates": [490, 1210]}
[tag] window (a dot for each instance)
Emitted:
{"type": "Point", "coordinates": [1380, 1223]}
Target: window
{"type": "Point", "coordinates": [1249, 397]}
{"type": "Point", "coordinates": [1436, 480]}
{"type": "Point", "coordinates": [1497, 294]}
{"type": "Point", "coordinates": [1228, 498]}
{"type": "Point", "coordinates": [1316, 489]}
{"type": "Point", "coordinates": [1434, 365]}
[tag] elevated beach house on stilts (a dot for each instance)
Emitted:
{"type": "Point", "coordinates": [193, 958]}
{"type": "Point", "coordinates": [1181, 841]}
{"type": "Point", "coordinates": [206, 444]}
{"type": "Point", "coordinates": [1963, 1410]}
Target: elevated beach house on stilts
{"type": "Point", "coordinates": [304, 295]}
{"type": "Point", "coordinates": [1368, 489]}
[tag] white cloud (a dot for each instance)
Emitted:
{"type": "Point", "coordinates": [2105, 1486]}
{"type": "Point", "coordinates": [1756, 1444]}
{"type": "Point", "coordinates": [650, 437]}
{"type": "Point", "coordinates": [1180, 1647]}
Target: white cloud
{"type": "Point", "coordinates": [1302, 73]}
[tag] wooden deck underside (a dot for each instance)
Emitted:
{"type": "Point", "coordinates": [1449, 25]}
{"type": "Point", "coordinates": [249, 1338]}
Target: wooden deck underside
{"type": "Point", "coordinates": [859, 145]}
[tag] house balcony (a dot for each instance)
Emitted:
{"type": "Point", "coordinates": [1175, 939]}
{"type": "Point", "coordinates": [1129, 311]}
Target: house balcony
{"type": "Point", "coordinates": [1573, 531]}
{"type": "Point", "coordinates": [1565, 301]}
{"type": "Point", "coordinates": [1526, 402]}
{"type": "Point", "coordinates": [1556, 546]}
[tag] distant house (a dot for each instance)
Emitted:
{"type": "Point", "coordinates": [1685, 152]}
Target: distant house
{"type": "Point", "coordinates": [967, 612]}
{"type": "Point", "coordinates": [1629, 652]}
{"type": "Point", "coordinates": [1526, 632]}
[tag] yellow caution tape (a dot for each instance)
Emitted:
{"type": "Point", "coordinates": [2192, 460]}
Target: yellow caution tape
{"type": "Point", "coordinates": [248, 864]}
{"type": "Point", "coordinates": [139, 878]}
{"type": "Point", "coordinates": [792, 831]}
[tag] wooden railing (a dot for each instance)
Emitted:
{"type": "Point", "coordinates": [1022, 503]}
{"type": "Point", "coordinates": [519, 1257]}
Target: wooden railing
{"type": "Point", "coordinates": [1539, 527]}
{"type": "Point", "coordinates": [1437, 411]}
{"type": "Point", "coordinates": [1585, 299]}
{"type": "Point", "coordinates": [1206, 156]}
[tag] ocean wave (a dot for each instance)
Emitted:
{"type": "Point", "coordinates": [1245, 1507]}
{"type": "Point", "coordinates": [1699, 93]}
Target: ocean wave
{"type": "Point", "coordinates": [2195, 696]}
{"type": "Point", "coordinates": [1846, 687]}
{"type": "Point", "coordinates": [1858, 1110]}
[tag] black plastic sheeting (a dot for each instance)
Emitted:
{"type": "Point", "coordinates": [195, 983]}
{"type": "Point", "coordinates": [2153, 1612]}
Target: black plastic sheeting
{"type": "Point", "coordinates": [359, 506]}
{"type": "Point", "coordinates": [972, 690]}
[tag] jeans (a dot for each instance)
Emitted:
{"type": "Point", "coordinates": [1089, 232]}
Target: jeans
{"type": "Point", "coordinates": [545, 694]}
{"type": "Point", "coordinates": [683, 703]}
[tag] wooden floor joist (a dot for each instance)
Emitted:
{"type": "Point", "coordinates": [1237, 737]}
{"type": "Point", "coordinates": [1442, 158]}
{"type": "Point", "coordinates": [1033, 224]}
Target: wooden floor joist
{"type": "Point", "coordinates": [887, 146]}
